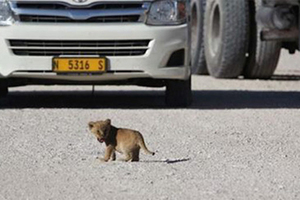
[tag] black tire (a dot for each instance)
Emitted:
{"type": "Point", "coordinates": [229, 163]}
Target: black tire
{"type": "Point", "coordinates": [3, 88]}
{"type": "Point", "coordinates": [178, 93]}
{"type": "Point", "coordinates": [197, 44]}
{"type": "Point", "coordinates": [263, 55]}
{"type": "Point", "coordinates": [226, 37]}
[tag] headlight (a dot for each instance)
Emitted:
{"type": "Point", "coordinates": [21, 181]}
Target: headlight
{"type": "Point", "coordinates": [167, 12]}
{"type": "Point", "coordinates": [6, 17]}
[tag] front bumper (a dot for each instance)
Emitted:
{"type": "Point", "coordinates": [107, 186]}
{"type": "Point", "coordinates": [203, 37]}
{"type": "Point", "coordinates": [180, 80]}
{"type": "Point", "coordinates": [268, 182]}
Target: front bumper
{"type": "Point", "coordinates": [164, 41]}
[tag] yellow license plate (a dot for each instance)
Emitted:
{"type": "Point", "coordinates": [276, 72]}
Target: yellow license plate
{"type": "Point", "coordinates": [80, 65]}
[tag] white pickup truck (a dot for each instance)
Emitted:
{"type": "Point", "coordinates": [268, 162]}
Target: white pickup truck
{"type": "Point", "coordinates": [94, 42]}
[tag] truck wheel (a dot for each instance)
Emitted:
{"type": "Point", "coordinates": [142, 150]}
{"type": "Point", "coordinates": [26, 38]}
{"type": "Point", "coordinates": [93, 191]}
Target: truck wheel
{"type": "Point", "coordinates": [179, 93]}
{"type": "Point", "coordinates": [3, 88]}
{"type": "Point", "coordinates": [226, 37]}
{"type": "Point", "coordinates": [263, 55]}
{"type": "Point", "coordinates": [197, 46]}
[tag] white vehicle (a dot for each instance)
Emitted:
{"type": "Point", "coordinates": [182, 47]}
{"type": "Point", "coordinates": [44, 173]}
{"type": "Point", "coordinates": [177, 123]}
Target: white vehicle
{"type": "Point", "coordinates": [131, 42]}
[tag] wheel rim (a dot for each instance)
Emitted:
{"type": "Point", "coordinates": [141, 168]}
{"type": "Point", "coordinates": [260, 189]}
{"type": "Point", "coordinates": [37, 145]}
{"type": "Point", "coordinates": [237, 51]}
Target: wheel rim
{"type": "Point", "coordinates": [194, 30]}
{"type": "Point", "coordinates": [215, 30]}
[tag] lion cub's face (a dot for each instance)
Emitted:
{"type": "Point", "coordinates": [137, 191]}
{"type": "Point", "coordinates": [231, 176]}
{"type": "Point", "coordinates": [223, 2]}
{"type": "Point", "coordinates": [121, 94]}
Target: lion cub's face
{"type": "Point", "coordinates": [100, 129]}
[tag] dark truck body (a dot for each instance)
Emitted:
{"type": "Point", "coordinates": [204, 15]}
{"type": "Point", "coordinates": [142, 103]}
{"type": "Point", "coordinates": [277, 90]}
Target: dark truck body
{"type": "Point", "coordinates": [280, 22]}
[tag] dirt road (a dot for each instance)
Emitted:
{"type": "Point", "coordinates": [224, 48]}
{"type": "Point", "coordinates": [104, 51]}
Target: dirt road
{"type": "Point", "coordinates": [239, 140]}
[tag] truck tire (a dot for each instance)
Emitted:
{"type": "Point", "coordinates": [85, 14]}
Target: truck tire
{"type": "Point", "coordinates": [226, 37]}
{"type": "Point", "coordinates": [3, 88]}
{"type": "Point", "coordinates": [197, 45]}
{"type": "Point", "coordinates": [263, 55]}
{"type": "Point", "coordinates": [178, 93]}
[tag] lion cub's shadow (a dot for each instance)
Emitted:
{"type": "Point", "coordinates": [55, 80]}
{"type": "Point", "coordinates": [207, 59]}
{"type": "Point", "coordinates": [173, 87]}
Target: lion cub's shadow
{"type": "Point", "coordinates": [167, 161]}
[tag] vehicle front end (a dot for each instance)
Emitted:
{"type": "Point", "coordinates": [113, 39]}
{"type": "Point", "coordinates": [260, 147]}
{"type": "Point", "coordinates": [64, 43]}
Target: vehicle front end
{"type": "Point", "coordinates": [61, 42]}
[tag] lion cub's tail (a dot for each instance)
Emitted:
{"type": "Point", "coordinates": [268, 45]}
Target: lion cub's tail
{"type": "Point", "coordinates": [143, 146]}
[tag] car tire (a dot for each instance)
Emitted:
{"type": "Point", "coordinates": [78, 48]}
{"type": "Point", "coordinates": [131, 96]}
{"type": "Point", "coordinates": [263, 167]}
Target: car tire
{"type": "Point", "coordinates": [3, 88]}
{"type": "Point", "coordinates": [263, 55]}
{"type": "Point", "coordinates": [226, 37]}
{"type": "Point", "coordinates": [197, 45]}
{"type": "Point", "coordinates": [178, 93]}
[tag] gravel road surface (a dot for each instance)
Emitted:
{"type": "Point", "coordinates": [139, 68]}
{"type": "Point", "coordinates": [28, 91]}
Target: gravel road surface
{"type": "Point", "coordinates": [239, 140]}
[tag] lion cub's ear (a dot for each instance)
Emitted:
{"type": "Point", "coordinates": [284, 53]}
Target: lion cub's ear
{"type": "Point", "coordinates": [91, 125]}
{"type": "Point", "coordinates": [108, 121]}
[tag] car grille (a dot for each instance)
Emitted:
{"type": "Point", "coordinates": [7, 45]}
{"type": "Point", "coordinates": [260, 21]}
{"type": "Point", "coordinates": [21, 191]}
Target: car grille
{"type": "Point", "coordinates": [81, 48]}
{"type": "Point", "coordinates": [59, 12]}
{"type": "Point", "coordinates": [65, 6]}
{"type": "Point", "coordinates": [35, 18]}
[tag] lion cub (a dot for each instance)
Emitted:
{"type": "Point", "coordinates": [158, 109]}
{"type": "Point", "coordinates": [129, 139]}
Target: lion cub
{"type": "Point", "coordinates": [125, 141]}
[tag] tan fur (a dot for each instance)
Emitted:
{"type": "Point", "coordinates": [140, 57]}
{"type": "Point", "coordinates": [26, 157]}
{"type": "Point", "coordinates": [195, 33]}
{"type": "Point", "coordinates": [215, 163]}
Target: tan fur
{"type": "Point", "coordinates": [125, 141]}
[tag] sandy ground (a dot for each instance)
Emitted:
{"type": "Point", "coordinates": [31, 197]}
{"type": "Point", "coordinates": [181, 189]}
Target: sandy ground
{"type": "Point", "coordinates": [239, 140]}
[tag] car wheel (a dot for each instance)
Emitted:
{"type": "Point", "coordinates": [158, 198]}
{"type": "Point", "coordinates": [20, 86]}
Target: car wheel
{"type": "Point", "coordinates": [226, 37]}
{"type": "Point", "coordinates": [197, 45]}
{"type": "Point", "coordinates": [263, 55]}
{"type": "Point", "coordinates": [3, 88]}
{"type": "Point", "coordinates": [178, 93]}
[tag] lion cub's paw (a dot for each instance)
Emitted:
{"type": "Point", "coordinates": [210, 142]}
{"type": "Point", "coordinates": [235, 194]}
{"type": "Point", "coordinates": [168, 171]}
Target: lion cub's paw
{"type": "Point", "coordinates": [101, 159]}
